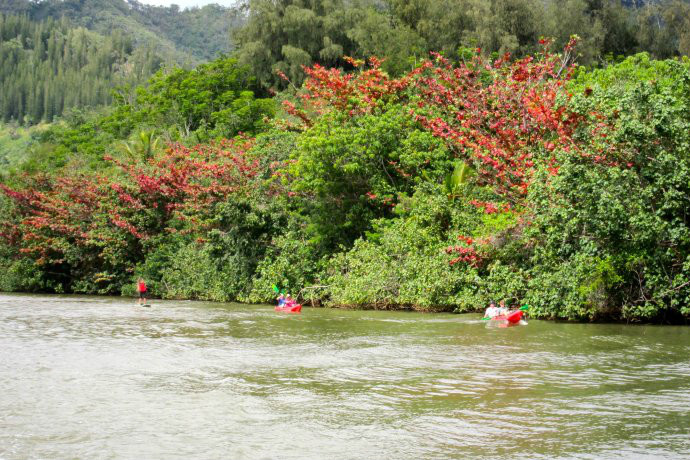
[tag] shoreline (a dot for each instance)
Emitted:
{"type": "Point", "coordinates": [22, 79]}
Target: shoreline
{"type": "Point", "coordinates": [389, 308]}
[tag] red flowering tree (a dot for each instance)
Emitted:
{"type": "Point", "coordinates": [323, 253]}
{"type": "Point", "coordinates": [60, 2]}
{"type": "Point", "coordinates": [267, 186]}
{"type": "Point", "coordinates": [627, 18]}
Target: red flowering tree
{"type": "Point", "coordinates": [499, 116]}
{"type": "Point", "coordinates": [94, 227]}
{"type": "Point", "coordinates": [465, 252]}
{"type": "Point", "coordinates": [354, 93]}
{"type": "Point", "coordinates": [359, 150]}
{"type": "Point", "coordinates": [185, 183]}
{"type": "Point", "coordinates": [507, 119]}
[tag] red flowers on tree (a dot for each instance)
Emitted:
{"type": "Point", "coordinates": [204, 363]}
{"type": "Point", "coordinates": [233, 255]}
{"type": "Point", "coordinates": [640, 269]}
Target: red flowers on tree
{"type": "Point", "coordinates": [503, 118]}
{"type": "Point", "coordinates": [466, 252]}
{"type": "Point", "coordinates": [188, 181]}
{"type": "Point", "coordinates": [493, 114]}
{"type": "Point", "coordinates": [353, 93]}
{"type": "Point", "coordinates": [109, 215]}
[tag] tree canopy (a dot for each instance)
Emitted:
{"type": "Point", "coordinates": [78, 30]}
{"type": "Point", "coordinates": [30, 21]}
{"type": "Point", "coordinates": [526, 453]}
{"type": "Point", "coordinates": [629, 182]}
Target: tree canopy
{"type": "Point", "coordinates": [284, 35]}
{"type": "Point", "coordinates": [457, 182]}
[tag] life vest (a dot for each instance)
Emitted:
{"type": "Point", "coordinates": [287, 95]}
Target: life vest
{"type": "Point", "coordinates": [142, 287]}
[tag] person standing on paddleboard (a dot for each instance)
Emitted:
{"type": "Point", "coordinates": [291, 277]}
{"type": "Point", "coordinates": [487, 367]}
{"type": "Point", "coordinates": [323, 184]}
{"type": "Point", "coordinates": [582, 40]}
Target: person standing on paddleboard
{"type": "Point", "coordinates": [141, 288]}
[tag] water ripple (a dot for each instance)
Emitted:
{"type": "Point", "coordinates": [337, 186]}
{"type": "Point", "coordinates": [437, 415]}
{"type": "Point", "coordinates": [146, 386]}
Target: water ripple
{"type": "Point", "coordinates": [85, 377]}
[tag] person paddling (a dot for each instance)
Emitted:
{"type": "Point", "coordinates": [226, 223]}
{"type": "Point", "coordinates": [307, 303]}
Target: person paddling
{"type": "Point", "coordinates": [281, 300]}
{"type": "Point", "coordinates": [289, 301]}
{"type": "Point", "coordinates": [141, 288]}
{"type": "Point", "coordinates": [502, 309]}
{"type": "Point", "coordinates": [492, 311]}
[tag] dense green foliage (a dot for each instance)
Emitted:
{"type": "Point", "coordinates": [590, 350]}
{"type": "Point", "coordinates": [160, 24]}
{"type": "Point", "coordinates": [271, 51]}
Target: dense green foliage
{"type": "Point", "coordinates": [602, 240]}
{"type": "Point", "coordinates": [43, 67]}
{"type": "Point", "coordinates": [214, 100]}
{"type": "Point", "coordinates": [621, 235]}
{"type": "Point", "coordinates": [15, 143]}
{"type": "Point", "coordinates": [285, 35]}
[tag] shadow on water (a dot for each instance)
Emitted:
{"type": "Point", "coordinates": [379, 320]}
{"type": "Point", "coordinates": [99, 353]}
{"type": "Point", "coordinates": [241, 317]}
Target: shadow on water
{"type": "Point", "coordinates": [98, 377]}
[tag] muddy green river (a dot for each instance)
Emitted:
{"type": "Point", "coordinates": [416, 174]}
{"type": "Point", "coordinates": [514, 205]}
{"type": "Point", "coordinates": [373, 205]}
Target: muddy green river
{"type": "Point", "coordinates": [100, 378]}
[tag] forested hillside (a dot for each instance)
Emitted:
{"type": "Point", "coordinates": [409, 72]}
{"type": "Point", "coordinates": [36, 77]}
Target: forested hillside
{"type": "Point", "coordinates": [47, 67]}
{"type": "Point", "coordinates": [57, 55]}
{"type": "Point", "coordinates": [184, 36]}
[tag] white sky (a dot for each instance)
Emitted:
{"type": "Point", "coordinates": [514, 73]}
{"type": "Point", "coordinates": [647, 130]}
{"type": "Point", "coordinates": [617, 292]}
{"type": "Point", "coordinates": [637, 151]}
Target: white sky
{"type": "Point", "coordinates": [188, 3]}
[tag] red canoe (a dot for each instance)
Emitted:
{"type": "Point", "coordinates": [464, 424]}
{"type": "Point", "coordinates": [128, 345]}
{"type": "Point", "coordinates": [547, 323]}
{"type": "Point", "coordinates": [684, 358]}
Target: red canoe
{"type": "Point", "coordinates": [296, 308]}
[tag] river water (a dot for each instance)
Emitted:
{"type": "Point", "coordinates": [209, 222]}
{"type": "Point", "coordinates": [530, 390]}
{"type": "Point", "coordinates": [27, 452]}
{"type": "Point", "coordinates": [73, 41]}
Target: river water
{"type": "Point", "coordinates": [99, 378]}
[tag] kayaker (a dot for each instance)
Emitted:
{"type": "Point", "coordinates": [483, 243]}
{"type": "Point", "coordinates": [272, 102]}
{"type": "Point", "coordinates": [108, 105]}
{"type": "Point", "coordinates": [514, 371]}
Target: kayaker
{"type": "Point", "coordinates": [502, 309]}
{"type": "Point", "coordinates": [492, 311]}
{"type": "Point", "coordinates": [281, 300]}
{"type": "Point", "coordinates": [289, 302]}
{"type": "Point", "coordinates": [141, 288]}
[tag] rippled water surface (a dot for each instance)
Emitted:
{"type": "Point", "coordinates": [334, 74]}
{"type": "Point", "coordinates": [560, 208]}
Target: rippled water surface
{"type": "Point", "coordinates": [99, 378]}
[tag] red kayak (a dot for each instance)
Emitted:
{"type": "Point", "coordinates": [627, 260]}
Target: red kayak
{"type": "Point", "coordinates": [295, 308]}
{"type": "Point", "coordinates": [511, 319]}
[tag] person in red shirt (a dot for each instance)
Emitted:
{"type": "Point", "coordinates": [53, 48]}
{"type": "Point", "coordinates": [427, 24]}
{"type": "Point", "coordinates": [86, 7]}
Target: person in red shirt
{"type": "Point", "coordinates": [289, 301]}
{"type": "Point", "coordinates": [141, 288]}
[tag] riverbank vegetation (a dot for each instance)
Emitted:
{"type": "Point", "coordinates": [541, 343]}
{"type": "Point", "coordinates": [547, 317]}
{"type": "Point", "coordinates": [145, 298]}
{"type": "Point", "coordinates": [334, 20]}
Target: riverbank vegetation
{"type": "Point", "coordinates": [463, 179]}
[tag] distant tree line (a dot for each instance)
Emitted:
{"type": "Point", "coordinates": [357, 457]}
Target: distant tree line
{"type": "Point", "coordinates": [284, 35]}
{"type": "Point", "coordinates": [49, 66]}
{"type": "Point", "coordinates": [202, 32]}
